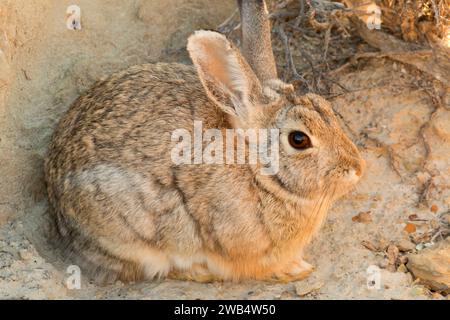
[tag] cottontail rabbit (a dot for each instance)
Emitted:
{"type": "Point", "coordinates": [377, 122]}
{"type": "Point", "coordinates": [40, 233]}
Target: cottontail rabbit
{"type": "Point", "coordinates": [126, 211]}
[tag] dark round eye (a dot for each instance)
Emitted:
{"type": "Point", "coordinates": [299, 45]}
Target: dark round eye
{"type": "Point", "coordinates": [299, 140]}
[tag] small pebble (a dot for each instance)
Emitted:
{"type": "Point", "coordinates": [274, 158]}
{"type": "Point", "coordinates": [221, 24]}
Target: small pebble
{"type": "Point", "coordinates": [25, 254]}
{"type": "Point", "coordinates": [402, 268]}
{"type": "Point", "coordinates": [405, 245]}
{"type": "Point", "coordinates": [420, 246]}
{"type": "Point", "coordinates": [307, 286]}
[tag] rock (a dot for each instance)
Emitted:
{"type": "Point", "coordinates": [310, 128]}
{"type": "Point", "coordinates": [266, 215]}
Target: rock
{"type": "Point", "coordinates": [437, 296]}
{"type": "Point", "coordinates": [440, 125]}
{"type": "Point", "coordinates": [384, 263]}
{"type": "Point", "coordinates": [432, 266]}
{"type": "Point", "coordinates": [403, 260]}
{"type": "Point", "coordinates": [420, 247]}
{"type": "Point", "coordinates": [402, 268]}
{"type": "Point", "coordinates": [308, 286]}
{"type": "Point", "coordinates": [419, 291]}
{"type": "Point", "coordinates": [25, 254]}
{"type": "Point", "coordinates": [446, 218]}
{"type": "Point", "coordinates": [405, 245]}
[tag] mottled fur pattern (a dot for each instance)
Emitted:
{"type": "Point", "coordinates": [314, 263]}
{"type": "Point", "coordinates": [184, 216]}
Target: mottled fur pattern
{"type": "Point", "coordinates": [125, 211]}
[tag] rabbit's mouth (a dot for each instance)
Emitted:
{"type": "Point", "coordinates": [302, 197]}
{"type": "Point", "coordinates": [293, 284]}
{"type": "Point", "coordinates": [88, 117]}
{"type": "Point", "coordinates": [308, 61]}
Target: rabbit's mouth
{"type": "Point", "coordinates": [346, 184]}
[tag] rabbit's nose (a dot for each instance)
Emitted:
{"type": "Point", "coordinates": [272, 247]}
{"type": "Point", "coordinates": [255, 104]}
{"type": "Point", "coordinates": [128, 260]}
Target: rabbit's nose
{"type": "Point", "coordinates": [355, 169]}
{"type": "Point", "coordinates": [352, 175]}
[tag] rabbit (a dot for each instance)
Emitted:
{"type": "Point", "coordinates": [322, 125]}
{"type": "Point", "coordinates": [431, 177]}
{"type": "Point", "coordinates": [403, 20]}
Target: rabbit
{"type": "Point", "coordinates": [124, 210]}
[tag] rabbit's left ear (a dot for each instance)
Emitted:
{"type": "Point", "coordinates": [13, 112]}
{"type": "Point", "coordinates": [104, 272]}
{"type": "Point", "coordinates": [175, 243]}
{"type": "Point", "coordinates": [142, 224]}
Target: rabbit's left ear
{"type": "Point", "coordinates": [226, 76]}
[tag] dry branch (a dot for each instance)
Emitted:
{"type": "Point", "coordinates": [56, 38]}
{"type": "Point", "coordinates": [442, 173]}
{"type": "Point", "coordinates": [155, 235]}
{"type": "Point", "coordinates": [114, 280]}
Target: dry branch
{"type": "Point", "coordinates": [434, 61]}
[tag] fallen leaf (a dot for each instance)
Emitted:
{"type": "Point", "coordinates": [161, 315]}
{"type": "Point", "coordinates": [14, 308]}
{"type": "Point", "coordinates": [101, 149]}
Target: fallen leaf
{"type": "Point", "coordinates": [392, 254]}
{"type": "Point", "coordinates": [369, 245]}
{"type": "Point", "coordinates": [363, 217]}
{"type": "Point", "coordinates": [434, 208]}
{"type": "Point", "coordinates": [410, 228]}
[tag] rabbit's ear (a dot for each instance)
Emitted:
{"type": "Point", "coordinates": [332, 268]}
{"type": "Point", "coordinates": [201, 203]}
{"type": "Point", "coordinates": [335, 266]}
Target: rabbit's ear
{"type": "Point", "coordinates": [227, 78]}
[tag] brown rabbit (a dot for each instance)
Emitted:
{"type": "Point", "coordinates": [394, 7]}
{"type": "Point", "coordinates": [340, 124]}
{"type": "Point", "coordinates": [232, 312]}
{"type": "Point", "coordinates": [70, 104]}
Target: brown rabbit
{"type": "Point", "coordinates": [125, 211]}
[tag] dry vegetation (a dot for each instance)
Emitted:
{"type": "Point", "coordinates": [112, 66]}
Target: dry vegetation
{"type": "Point", "coordinates": [320, 38]}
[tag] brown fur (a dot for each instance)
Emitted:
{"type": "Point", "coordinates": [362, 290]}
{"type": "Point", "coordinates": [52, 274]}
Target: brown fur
{"type": "Point", "coordinates": [127, 211]}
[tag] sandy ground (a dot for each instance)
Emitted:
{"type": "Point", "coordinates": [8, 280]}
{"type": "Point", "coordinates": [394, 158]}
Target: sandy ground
{"type": "Point", "coordinates": [390, 111]}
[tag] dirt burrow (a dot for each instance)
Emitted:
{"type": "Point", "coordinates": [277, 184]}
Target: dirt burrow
{"type": "Point", "coordinates": [390, 111]}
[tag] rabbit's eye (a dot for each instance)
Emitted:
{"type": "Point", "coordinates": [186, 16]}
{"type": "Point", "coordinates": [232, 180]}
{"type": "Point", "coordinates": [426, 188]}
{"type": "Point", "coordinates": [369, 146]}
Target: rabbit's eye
{"type": "Point", "coordinates": [299, 140]}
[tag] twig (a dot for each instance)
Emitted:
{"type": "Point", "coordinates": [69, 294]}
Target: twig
{"type": "Point", "coordinates": [285, 14]}
{"type": "Point", "coordinates": [227, 26]}
{"type": "Point", "coordinates": [396, 55]}
{"type": "Point", "coordinates": [327, 43]}
{"type": "Point", "coordinates": [433, 62]}
{"type": "Point", "coordinates": [228, 20]}
{"type": "Point", "coordinates": [289, 60]}
{"type": "Point", "coordinates": [437, 14]}
{"type": "Point", "coordinates": [301, 13]}
{"type": "Point", "coordinates": [313, 69]}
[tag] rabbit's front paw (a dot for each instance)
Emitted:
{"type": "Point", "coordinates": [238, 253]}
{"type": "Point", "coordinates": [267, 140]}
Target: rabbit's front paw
{"type": "Point", "coordinates": [294, 271]}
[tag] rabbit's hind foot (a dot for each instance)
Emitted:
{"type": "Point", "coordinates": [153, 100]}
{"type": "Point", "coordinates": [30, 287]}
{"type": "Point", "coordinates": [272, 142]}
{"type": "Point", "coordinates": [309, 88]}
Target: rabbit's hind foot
{"type": "Point", "coordinates": [295, 271]}
{"type": "Point", "coordinates": [197, 273]}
